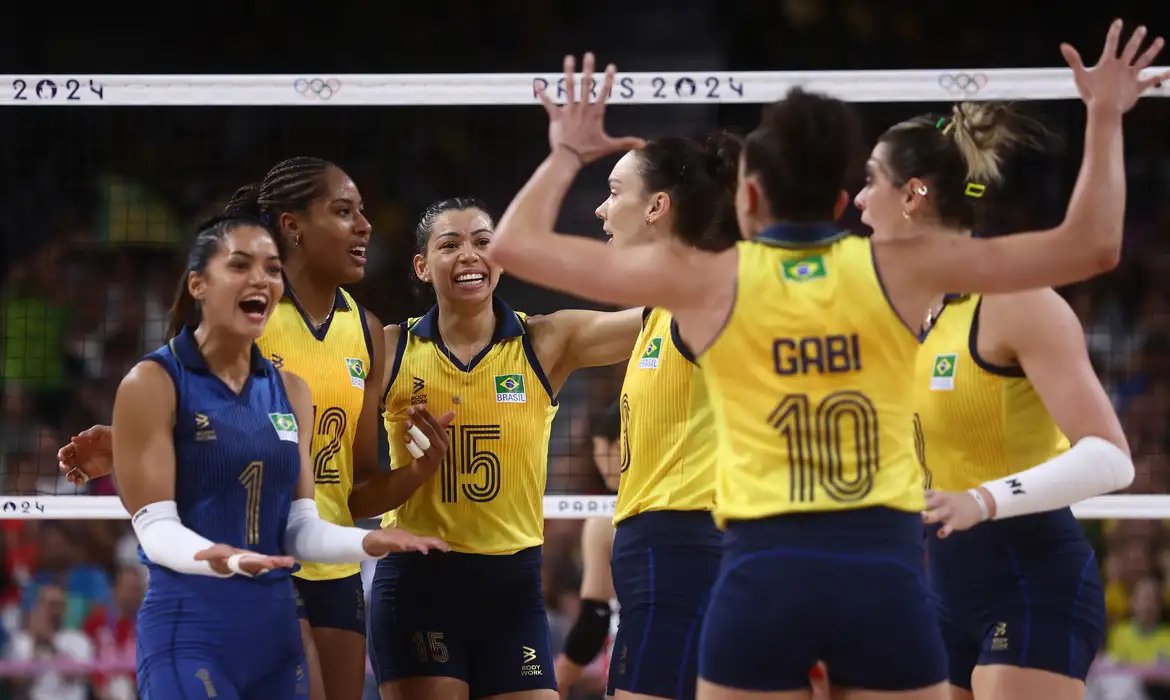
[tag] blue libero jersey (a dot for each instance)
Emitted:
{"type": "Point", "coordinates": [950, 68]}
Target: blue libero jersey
{"type": "Point", "coordinates": [237, 462]}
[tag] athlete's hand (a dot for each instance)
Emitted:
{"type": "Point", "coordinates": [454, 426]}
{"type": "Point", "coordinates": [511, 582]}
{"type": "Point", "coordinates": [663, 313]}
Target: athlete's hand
{"type": "Point", "coordinates": [579, 126]}
{"type": "Point", "coordinates": [1114, 83]}
{"type": "Point", "coordinates": [955, 510]}
{"type": "Point", "coordinates": [435, 439]}
{"type": "Point", "coordinates": [384, 541]}
{"type": "Point", "coordinates": [251, 563]}
{"type": "Point", "coordinates": [89, 455]}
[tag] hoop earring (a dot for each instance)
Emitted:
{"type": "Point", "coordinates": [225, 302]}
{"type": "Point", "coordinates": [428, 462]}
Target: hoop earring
{"type": "Point", "coordinates": [905, 214]}
{"type": "Point", "coordinates": [921, 190]}
{"type": "Point", "coordinates": [296, 241]}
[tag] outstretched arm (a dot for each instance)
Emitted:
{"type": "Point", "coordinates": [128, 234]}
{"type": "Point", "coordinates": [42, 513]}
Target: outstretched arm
{"type": "Point", "coordinates": [526, 244]}
{"type": "Point", "coordinates": [1088, 241]}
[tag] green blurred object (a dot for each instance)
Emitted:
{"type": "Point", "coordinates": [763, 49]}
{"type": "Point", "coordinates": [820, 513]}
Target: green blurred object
{"type": "Point", "coordinates": [129, 214]}
{"type": "Point", "coordinates": [34, 343]}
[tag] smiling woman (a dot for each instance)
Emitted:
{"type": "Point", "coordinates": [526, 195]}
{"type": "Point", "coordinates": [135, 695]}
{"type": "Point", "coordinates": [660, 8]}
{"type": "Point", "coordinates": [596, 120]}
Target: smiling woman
{"type": "Point", "coordinates": [500, 370]}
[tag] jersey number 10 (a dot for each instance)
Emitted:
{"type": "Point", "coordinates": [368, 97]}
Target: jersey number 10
{"type": "Point", "coordinates": [816, 458]}
{"type": "Point", "coordinates": [468, 456]}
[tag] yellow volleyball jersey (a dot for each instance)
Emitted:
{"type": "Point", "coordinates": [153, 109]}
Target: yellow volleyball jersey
{"type": "Point", "coordinates": [974, 422]}
{"type": "Point", "coordinates": [488, 497]}
{"type": "Point", "coordinates": [808, 382]}
{"type": "Point", "coordinates": [335, 362]}
{"type": "Point", "coordinates": [667, 433]}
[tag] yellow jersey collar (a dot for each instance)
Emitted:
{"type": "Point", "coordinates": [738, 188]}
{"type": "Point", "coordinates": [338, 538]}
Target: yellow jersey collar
{"type": "Point", "coordinates": [508, 324]}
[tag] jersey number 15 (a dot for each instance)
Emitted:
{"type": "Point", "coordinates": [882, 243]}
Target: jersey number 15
{"type": "Point", "coordinates": [469, 457]}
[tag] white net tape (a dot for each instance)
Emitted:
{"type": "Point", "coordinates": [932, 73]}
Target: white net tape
{"type": "Point", "coordinates": [645, 88]}
{"type": "Point", "coordinates": [694, 87]}
{"type": "Point", "coordinates": [555, 508]}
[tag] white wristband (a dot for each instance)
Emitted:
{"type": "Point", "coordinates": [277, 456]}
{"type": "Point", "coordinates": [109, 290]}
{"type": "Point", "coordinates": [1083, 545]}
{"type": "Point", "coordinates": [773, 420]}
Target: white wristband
{"type": "Point", "coordinates": [233, 564]}
{"type": "Point", "coordinates": [984, 513]}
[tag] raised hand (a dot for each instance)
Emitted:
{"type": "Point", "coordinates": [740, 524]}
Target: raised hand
{"type": "Point", "coordinates": [385, 541]}
{"type": "Point", "coordinates": [89, 455]}
{"type": "Point", "coordinates": [251, 563]}
{"type": "Point", "coordinates": [579, 126]}
{"type": "Point", "coordinates": [1116, 81]}
{"type": "Point", "coordinates": [427, 439]}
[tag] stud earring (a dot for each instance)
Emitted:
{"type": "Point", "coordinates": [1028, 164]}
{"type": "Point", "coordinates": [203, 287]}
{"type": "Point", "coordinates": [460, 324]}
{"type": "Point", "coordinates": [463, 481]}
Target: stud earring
{"type": "Point", "coordinates": [905, 214]}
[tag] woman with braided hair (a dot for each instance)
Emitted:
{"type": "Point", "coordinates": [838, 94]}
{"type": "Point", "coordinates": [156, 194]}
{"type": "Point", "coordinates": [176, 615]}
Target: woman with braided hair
{"type": "Point", "coordinates": [320, 333]}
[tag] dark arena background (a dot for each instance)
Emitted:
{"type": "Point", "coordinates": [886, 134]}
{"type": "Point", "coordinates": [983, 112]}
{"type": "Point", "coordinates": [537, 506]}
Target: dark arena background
{"type": "Point", "coordinates": [118, 134]}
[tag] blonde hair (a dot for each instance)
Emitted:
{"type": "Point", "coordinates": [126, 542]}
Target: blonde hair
{"type": "Point", "coordinates": [984, 132]}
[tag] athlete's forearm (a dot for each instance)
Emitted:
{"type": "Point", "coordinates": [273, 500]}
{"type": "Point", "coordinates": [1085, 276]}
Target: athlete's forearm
{"type": "Point", "coordinates": [1092, 467]}
{"type": "Point", "coordinates": [166, 541]}
{"type": "Point", "coordinates": [525, 237]}
{"type": "Point", "coordinates": [309, 538]}
{"type": "Point", "coordinates": [1094, 220]}
{"type": "Point", "coordinates": [382, 492]}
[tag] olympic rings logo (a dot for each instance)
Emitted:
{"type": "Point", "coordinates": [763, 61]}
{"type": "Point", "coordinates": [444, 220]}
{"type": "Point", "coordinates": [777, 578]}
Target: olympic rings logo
{"type": "Point", "coordinates": [962, 83]}
{"type": "Point", "coordinates": [321, 88]}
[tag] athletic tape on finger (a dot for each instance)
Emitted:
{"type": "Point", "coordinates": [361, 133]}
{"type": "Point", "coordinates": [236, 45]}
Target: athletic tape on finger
{"type": "Point", "coordinates": [233, 565]}
{"type": "Point", "coordinates": [414, 450]}
{"type": "Point", "coordinates": [419, 439]}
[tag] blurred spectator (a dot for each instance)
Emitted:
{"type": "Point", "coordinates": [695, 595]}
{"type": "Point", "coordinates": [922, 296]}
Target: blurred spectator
{"type": "Point", "coordinates": [112, 632]}
{"type": "Point", "coordinates": [45, 638]}
{"type": "Point", "coordinates": [61, 563]}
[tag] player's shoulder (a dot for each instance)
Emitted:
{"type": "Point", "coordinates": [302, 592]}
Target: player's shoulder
{"type": "Point", "coordinates": [294, 385]}
{"type": "Point", "coordinates": [150, 373]}
{"type": "Point", "coordinates": [1030, 311]}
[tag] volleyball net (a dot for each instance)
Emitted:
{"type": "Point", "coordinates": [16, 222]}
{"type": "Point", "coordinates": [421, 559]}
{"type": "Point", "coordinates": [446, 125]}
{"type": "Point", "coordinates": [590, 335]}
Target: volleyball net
{"type": "Point", "coordinates": [104, 182]}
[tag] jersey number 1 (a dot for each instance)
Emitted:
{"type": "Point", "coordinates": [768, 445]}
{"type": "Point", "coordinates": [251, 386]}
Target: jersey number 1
{"type": "Point", "coordinates": [253, 480]}
{"type": "Point", "coordinates": [815, 455]}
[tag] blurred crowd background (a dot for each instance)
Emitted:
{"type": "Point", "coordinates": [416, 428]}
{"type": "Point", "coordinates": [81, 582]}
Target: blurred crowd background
{"type": "Point", "coordinates": [97, 204]}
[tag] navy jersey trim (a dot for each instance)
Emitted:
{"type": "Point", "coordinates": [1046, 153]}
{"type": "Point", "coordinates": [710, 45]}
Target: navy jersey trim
{"type": "Point", "coordinates": [948, 299]}
{"type": "Point", "coordinates": [508, 325]}
{"type": "Point", "coordinates": [339, 304]}
{"type": "Point", "coordinates": [679, 344]}
{"type": "Point", "coordinates": [646, 311]}
{"type": "Point", "coordinates": [809, 235]}
{"type": "Point", "coordinates": [366, 333]}
{"type": "Point", "coordinates": [399, 351]}
{"type": "Point", "coordinates": [877, 272]}
{"type": "Point", "coordinates": [534, 363]}
{"type": "Point", "coordinates": [1008, 371]}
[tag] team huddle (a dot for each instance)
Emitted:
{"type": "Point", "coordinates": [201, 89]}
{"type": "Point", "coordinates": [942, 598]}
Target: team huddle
{"type": "Point", "coordinates": [854, 454]}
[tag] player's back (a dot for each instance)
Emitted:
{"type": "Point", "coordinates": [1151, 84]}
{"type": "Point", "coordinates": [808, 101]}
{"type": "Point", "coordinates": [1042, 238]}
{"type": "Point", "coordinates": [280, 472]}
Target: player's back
{"type": "Point", "coordinates": [667, 434]}
{"type": "Point", "coordinates": [488, 497]}
{"type": "Point", "coordinates": [818, 484]}
{"type": "Point", "coordinates": [236, 466]}
{"type": "Point", "coordinates": [808, 379]}
{"type": "Point", "coordinates": [334, 361]}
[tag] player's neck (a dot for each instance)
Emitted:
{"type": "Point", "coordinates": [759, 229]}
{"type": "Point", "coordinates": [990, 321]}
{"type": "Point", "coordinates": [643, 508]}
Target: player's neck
{"type": "Point", "coordinates": [467, 326]}
{"type": "Point", "coordinates": [316, 298]}
{"type": "Point", "coordinates": [228, 356]}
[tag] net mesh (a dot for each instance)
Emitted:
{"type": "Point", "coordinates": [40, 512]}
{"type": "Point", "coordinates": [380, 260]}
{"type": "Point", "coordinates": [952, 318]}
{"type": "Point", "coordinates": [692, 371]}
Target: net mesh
{"type": "Point", "coordinates": [96, 207]}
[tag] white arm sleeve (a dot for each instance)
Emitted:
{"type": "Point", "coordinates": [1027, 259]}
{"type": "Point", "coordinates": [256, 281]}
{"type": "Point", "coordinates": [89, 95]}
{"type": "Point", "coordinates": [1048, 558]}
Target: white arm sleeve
{"type": "Point", "coordinates": [1090, 468]}
{"type": "Point", "coordinates": [309, 538]}
{"type": "Point", "coordinates": [168, 542]}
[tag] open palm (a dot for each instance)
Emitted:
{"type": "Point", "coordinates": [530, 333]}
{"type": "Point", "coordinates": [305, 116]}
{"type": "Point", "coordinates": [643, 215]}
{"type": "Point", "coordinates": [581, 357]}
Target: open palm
{"type": "Point", "coordinates": [1116, 81]}
{"type": "Point", "coordinates": [579, 126]}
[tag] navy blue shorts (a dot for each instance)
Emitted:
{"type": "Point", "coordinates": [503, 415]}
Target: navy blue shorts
{"type": "Point", "coordinates": [476, 617]}
{"type": "Point", "coordinates": [664, 564]}
{"type": "Point", "coordinates": [190, 647]}
{"type": "Point", "coordinates": [846, 587]}
{"type": "Point", "coordinates": [1020, 592]}
{"type": "Point", "coordinates": [337, 603]}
